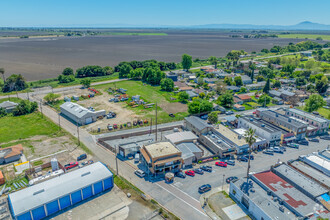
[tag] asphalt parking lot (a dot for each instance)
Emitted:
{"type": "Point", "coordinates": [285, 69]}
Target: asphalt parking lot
{"type": "Point", "coordinates": [261, 162]}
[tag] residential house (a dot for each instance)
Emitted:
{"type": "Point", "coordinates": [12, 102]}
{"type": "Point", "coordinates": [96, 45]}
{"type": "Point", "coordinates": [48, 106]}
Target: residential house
{"type": "Point", "coordinates": [256, 86]}
{"type": "Point", "coordinates": [185, 89]}
{"type": "Point", "coordinates": [239, 107]}
{"type": "Point", "coordinates": [286, 95]}
{"type": "Point", "coordinates": [277, 66]}
{"type": "Point", "coordinates": [217, 107]}
{"type": "Point", "coordinates": [191, 94]}
{"type": "Point", "coordinates": [274, 93]}
{"type": "Point", "coordinates": [231, 120]}
{"type": "Point", "coordinates": [277, 101]}
{"type": "Point", "coordinates": [210, 80]}
{"type": "Point", "coordinates": [246, 79]}
{"type": "Point", "coordinates": [238, 101]}
{"type": "Point", "coordinates": [179, 84]}
{"type": "Point", "coordinates": [244, 97]}
{"type": "Point", "coordinates": [233, 88]}
{"type": "Point", "coordinates": [11, 154]}
{"type": "Point", "coordinates": [284, 122]}
{"type": "Point", "coordinates": [161, 157]}
{"type": "Point", "coordinates": [307, 53]}
{"type": "Point", "coordinates": [173, 76]}
{"type": "Point", "coordinates": [8, 106]}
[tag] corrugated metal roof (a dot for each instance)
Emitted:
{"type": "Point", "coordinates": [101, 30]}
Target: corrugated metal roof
{"type": "Point", "coordinates": [75, 109]}
{"type": "Point", "coordinates": [45, 192]}
{"type": "Point", "coordinates": [8, 104]}
{"type": "Point", "coordinates": [181, 137]}
{"type": "Point", "coordinates": [188, 148]}
{"type": "Point", "coordinates": [198, 123]}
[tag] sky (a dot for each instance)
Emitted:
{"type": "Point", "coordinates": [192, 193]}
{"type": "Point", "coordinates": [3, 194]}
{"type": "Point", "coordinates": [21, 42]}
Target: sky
{"type": "Point", "coordinates": [98, 13]}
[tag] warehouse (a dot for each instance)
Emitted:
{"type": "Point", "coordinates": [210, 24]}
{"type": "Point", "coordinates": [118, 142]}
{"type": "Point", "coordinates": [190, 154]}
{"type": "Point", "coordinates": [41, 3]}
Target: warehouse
{"type": "Point", "coordinates": [79, 114]}
{"type": "Point", "coordinates": [46, 198]}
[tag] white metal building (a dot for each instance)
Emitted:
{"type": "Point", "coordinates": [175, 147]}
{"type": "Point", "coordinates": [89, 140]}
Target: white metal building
{"type": "Point", "coordinates": [79, 114]}
{"type": "Point", "coordinates": [43, 199]}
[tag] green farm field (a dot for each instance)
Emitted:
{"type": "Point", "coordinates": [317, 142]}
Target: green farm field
{"type": "Point", "coordinates": [305, 36]}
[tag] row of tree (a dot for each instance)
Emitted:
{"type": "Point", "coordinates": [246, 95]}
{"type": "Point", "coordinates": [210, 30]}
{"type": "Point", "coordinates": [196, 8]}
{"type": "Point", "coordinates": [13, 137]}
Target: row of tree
{"type": "Point", "coordinates": [147, 63]}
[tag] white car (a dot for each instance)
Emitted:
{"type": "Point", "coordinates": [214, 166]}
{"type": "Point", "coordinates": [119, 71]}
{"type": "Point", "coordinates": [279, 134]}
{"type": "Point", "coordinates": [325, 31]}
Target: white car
{"type": "Point", "coordinates": [140, 173]}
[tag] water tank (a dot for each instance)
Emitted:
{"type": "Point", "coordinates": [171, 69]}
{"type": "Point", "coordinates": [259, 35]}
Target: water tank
{"type": "Point", "coordinates": [54, 164]}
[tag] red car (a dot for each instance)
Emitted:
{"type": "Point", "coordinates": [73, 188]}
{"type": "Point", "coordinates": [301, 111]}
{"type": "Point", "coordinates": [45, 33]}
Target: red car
{"type": "Point", "coordinates": [71, 165]}
{"type": "Point", "coordinates": [221, 164]}
{"type": "Point", "coordinates": [190, 173]}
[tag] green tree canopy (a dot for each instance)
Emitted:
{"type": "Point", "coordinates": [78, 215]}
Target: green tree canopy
{"type": "Point", "coordinates": [186, 61]}
{"type": "Point", "coordinates": [314, 102]}
{"type": "Point", "coordinates": [67, 71]}
{"type": "Point", "coordinates": [51, 97]}
{"type": "Point", "coordinates": [214, 61]}
{"type": "Point", "coordinates": [322, 85]}
{"type": "Point", "coordinates": [213, 117]}
{"type": "Point", "coordinates": [266, 89]}
{"type": "Point", "coordinates": [226, 100]}
{"type": "Point", "coordinates": [199, 106]}
{"type": "Point", "coordinates": [25, 107]}
{"type": "Point", "coordinates": [264, 100]}
{"type": "Point", "coordinates": [14, 83]}
{"type": "Point", "coordinates": [86, 82]}
{"type": "Point", "coordinates": [167, 84]}
{"type": "Point", "coordinates": [183, 97]}
{"type": "Point", "coordinates": [277, 84]}
{"type": "Point", "coordinates": [108, 70]}
{"type": "Point", "coordinates": [238, 81]}
{"type": "Point", "coordinates": [125, 71]}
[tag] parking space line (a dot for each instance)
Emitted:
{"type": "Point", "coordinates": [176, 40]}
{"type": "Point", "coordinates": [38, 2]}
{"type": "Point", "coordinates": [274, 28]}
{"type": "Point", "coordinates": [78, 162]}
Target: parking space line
{"type": "Point", "coordinates": [184, 193]}
{"type": "Point", "coordinates": [182, 199]}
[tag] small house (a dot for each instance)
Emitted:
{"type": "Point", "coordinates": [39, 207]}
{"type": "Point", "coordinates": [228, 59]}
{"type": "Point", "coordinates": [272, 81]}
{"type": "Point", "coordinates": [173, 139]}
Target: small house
{"type": "Point", "coordinates": [192, 94]}
{"type": "Point", "coordinates": [244, 97]}
{"type": "Point", "coordinates": [277, 101]}
{"type": "Point", "coordinates": [173, 76]}
{"type": "Point", "coordinates": [8, 106]}
{"type": "Point", "coordinates": [238, 107]}
{"type": "Point", "coordinates": [218, 108]}
{"type": "Point", "coordinates": [233, 88]}
{"type": "Point", "coordinates": [246, 79]}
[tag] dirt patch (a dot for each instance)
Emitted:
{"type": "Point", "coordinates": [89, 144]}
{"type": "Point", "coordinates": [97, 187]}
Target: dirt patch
{"type": "Point", "coordinates": [173, 107]}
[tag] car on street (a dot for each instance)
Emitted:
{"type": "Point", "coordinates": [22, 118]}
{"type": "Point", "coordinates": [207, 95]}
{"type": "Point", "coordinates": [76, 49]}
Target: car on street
{"type": "Point", "coordinates": [221, 164]}
{"type": "Point", "coordinates": [232, 178]}
{"type": "Point", "coordinates": [204, 188]}
{"type": "Point", "coordinates": [242, 158]}
{"type": "Point", "coordinates": [303, 142]}
{"type": "Point", "coordinates": [277, 150]}
{"type": "Point", "coordinates": [231, 162]}
{"type": "Point", "coordinates": [82, 157]}
{"type": "Point", "coordinates": [206, 168]}
{"type": "Point", "coordinates": [140, 173]}
{"type": "Point", "coordinates": [71, 165]}
{"type": "Point", "coordinates": [326, 137]}
{"type": "Point", "coordinates": [190, 173]}
{"type": "Point", "coordinates": [180, 174]}
{"type": "Point", "coordinates": [314, 140]}
{"type": "Point", "coordinates": [268, 151]}
{"type": "Point", "coordinates": [251, 157]}
{"type": "Point", "coordinates": [199, 171]}
{"type": "Point", "coordinates": [229, 112]}
{"type": "Point", "coordinates": [293, 145]}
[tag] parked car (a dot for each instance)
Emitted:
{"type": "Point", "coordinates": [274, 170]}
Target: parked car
{"type": "Point", "coordinates": [140, 173]}
{"type": "Point", "coordinates": [231, 162]}
{"type": "Point", "coordinates": [268, 151]}
{"type": "Point", "coordinates": [293, 145]}
{"type": "Point", "coordinates": [230, 179]}
{"type": "Point", "coordinates": [251, 157]}
{"type": "Point", "coordinates": [206, 168]}
{"type": "Point", "coordinates": [204, 188]}
{"type": "Point", "coordinates": [229, 112]}
{"type": "Point", "coordinates": [242, 158]}
{"type": "Point", "coordinates": [190, 173]}
{"type": "Point", "coordinates": [277, 150]}
{"type": "Point", "coordinates": [221, 164]}
{"type": "Point", "coordinates": [71, 165]}
{"type": "Point", "coordinates": [171, 115]}
{"type": "Point", "coordinates": [326, 137]}
{"type": "Point", "coordinates": [110, 127]}
{"type": "Point", "coordinates": [82, 157]}
{"type": "Point", "coordinates": [199, 171]}
{"type": "Point", "coordinates": [137, 158]}
{"type": "Point", "coordinates": [90, 162]}
{"type": "Point", "coordinates": [314, 140]}
{"type": "Point", "coordinates": [303, 142]}
{"type": "Point", "coordinates": [181, 174]}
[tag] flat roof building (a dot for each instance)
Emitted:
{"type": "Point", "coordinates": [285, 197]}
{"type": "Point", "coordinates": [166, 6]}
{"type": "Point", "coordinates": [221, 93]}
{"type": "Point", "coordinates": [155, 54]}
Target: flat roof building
{"type": "Point", "coordinates": [180, 137]}
{"type": "Point", "coordinates": [79, 114]}
{"type": "Point", "coordinates": [46, 198]}
{"type": "Point", "coordinates": [161, 157]}
{"type": "Point", "coordinates": [317, 162]}
{"type": "Point", "coordinates": [190, 153]}
{"type": "Point", "coordinates": [197, 125]}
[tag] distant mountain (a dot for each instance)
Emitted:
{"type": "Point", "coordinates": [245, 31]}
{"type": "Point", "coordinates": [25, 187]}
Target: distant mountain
{"type": "Point", "coordinates": [306, 25]}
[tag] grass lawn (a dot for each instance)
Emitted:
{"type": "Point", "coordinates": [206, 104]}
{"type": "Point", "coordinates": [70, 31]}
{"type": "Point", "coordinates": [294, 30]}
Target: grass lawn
{"type": "Point", "coordinates": [323, 111]}
{"type": "Point", "coordinates": [25, 126]}
{"type": "Point", "coordinates": [304, 36]}
{"type": "Point", "coordinates": [12, 99]}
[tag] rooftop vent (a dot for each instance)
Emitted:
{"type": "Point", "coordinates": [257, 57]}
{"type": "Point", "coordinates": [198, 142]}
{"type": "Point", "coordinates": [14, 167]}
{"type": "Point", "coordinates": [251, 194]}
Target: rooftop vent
{"type": "Point", "coordinates": [276, 115]}
{"type": "Point", "coordinates": [289, 120]}
{"type": "Point", "coordinates": [85, 174]}
{"type": "Point", "coordinates": [38, 192]}
{"type": "Point", "coordinates": [262, 125]}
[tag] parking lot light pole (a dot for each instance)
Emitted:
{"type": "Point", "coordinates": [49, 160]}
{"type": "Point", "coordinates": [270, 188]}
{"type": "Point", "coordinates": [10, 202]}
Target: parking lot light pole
{"type": "Point", "coordinates": [223, 180]}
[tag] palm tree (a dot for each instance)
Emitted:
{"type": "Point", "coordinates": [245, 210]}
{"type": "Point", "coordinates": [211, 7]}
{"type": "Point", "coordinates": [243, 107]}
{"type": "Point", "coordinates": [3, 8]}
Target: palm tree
{"type": "Point", "coordinates": [2, 71]}
{"type": "Point", "coordinates": [250, 139]}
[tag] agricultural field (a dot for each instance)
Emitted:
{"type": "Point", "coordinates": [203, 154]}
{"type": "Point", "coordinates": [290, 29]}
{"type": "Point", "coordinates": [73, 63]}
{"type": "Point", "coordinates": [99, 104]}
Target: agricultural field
{"type": "Point", "coordinates": [305, 36]}
{"type": "Point", "coordinates": [43, 58]}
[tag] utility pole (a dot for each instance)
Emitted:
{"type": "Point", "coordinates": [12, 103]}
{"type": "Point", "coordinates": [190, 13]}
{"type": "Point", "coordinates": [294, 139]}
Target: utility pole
{"type": "Point", "coordinates": [150, 126]}
{"type": "Point", "coordinates": [223, 180]}
{"type": "Point", "coordinates": [41, 109]}
{"type": "Point", "coordinates": [116, 160]}
{"type": "Point", "coordinates": [28, 95]}
{"type": "Point", "coordinates": [156, 121]}
{"type": "Point", "coordinates": [78, 132]}
{"type": "Point", "coordinates": [59, 121]}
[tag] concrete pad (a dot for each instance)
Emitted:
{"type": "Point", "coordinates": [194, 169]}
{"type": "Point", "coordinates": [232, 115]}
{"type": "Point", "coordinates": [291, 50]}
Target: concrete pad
{"type": "Point", "coordinates": [234, 212]}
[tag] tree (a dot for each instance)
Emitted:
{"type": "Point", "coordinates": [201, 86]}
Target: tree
{"type": "Point", "coordinates": [183, 97]}
{"type": "Point", "coordinates": [226, 99]}
{"type": "Point", "coordinates": [86, 83]}
{"type": "Point", "coordinates": [252, 67]}
{"type": "Point", "coordinates": [234, 56]}
{"type": "Point", "coordinates": [51, 97]}
{"type": "Point", "coordinates": [277, 84]}
{"type": "Point", "coordinates": [25, 107]}
{"type": "Point", "coordinates": [202, 95]}
{"type": "Point", "coordinates": [108, 70]}
{"type": "Point", "coordinates": [186, 61]}
{"type": "Point", "coordinates": [167, 84]}
{"type": "Point", "coordinates": [2, 71]}
{"type": "Point", "coordinates": [264, 100]}
{"type": "Point", "coordinates": [229, 81]}
{"type": "Point", "coordinates": [300, 81]}
{"type": "Point", "coordinates": [90, 71]}
{"type": "Point", "coordinates": [238, 81]}
{"type": "Point", "coordinates": [214, 61]}
{"type": "Point", "coordinates": [314, 102]}
{"type": "Point", "coordinates": [200, 81]}
{"type": "Point", "coordinates": [136, 73]}
{"type": "Point", "coordinates": [267, 87]}
{"type": "Point", "coordinates": [243, 90]}
{"type": "Point", "coordinates": [250, 139]}
{"type": "Point", "coordinates": [322, 85]}
{"type": "Point", "coordinates": [65, 78]}
{"type": "Point", "coordinates": [265, 51]}
{"type": "Point", "coordinates": [213, 117]}
{"type": "Point", "coordinates": [14, 83]}
{"type": "Point", "coordinates": [220, 87]}
{"type": "Point", "coordinates": [199, 106]}
{"type": "Point", "coordinates": [3, 112]}
{"type": "Point", "coordinates": [260, 78]}
{"type": "Point", "coordinates": [124, 71]}
{"type": "Point", "coordinates": [288, 68]}
{"type": "Point", "coordinates": [67, 71]}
